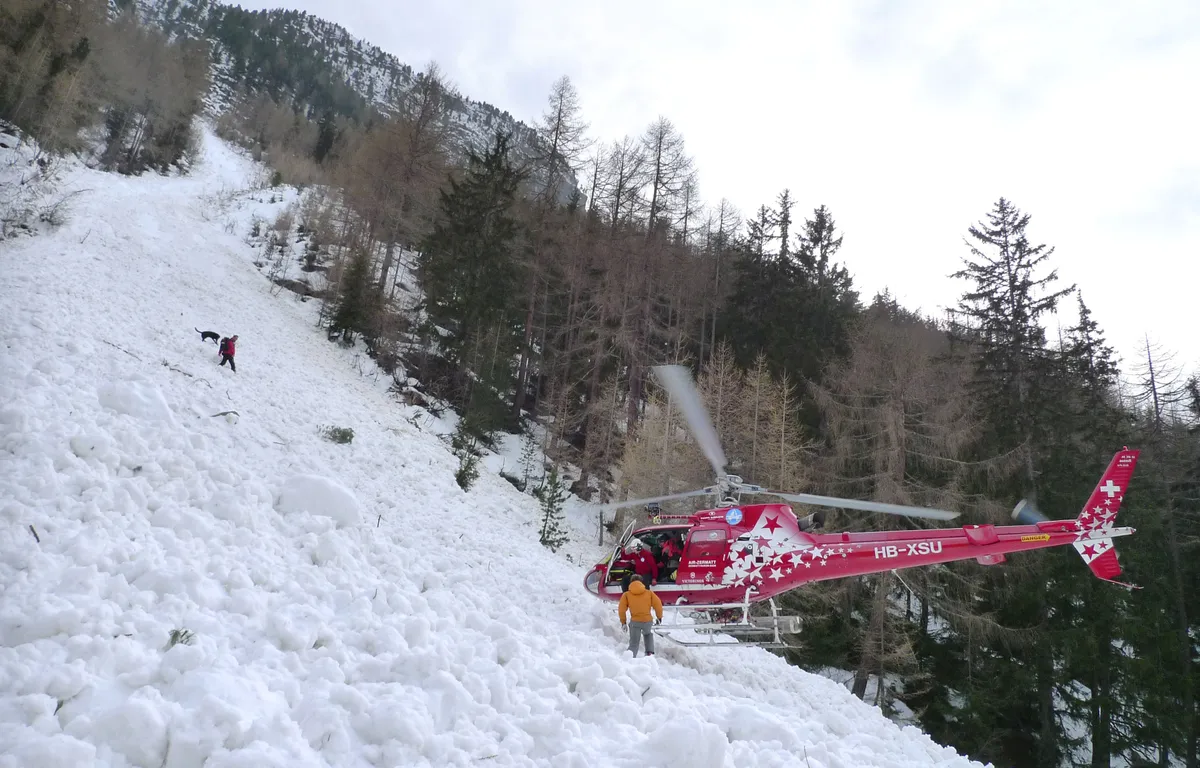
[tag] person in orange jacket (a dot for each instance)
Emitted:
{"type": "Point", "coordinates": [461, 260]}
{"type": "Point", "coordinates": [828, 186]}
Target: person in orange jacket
{"type": "Point", "coordinates": [637, 604]}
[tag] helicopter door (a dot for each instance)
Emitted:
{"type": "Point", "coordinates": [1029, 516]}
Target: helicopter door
{"type": "Point", "coordinates": [616, 574]}
{"type": "Point", "coordinates": [706, 555]}
{"type": "Point", "coordinates": [621, 542]}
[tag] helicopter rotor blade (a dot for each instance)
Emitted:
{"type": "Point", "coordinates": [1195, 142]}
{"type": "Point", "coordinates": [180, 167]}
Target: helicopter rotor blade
{"type": "Point", "coordinates": [651, 499]}
{"type": "Point", "coordinates": [865, 506]}
{"type": "Point", "coordinates": [677, 380]}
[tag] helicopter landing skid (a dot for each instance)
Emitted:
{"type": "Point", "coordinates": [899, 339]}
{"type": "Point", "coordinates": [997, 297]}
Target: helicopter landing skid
{"type": "Point", "coordinates": [733, 621]}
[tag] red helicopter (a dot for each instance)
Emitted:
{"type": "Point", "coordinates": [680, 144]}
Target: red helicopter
{"type": "Point", "coordinates": [734, 556]}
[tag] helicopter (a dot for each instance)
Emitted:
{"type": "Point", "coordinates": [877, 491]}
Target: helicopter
{"type": "Point", "coordinates": [732, 556]}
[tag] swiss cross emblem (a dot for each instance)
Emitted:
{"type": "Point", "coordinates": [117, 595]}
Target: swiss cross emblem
{"type": "Point", "coordinates": [1111, 488]}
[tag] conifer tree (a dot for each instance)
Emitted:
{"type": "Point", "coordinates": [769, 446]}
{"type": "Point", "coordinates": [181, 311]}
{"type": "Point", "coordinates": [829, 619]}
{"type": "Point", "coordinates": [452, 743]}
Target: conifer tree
{"type": "Point", "coordinates": [552, 495]}
{"type": "Point", "coordinates": [794, 305]}
{"type": "Point", "coordinates": [897, 424]}
{"type": "Point", "coordinates": [999, 316]}
{"type": "Point", "coordinates": [469, 268]}
{"type": "Point", "coordinates": [355, 305]}
{"type": "Point", "coordinates": [1093, 617]}
{"type": "Point", "coordinates": [1018, 385]}
{"type": "Point", "coordinates": [326, 136]}
{"type": "Point", "coordinates": [561, 138]}
{"type": "Point", "coordinates": [1168, 530]}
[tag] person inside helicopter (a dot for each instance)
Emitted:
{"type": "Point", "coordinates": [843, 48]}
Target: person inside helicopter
{"type": "Point", "coordinates": [635, 559]}
{"type": "Point", "coordinates": [670, 549]}
{"type": "Point", "coordinates": [644, 562]}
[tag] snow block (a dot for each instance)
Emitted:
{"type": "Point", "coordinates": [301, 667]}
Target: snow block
{"type": "Point", "coordinates": [686, 741]}
{"type": "Point", "coordinates": [27, 747]}
{"type": "Point", "coordinates": [318, 495]}
{"type": "Point", "coordinates": [142, 401]}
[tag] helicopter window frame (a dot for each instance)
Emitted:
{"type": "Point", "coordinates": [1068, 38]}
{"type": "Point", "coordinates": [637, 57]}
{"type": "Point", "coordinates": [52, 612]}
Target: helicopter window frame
{"type": "Point", "coordinates": [710, 542]}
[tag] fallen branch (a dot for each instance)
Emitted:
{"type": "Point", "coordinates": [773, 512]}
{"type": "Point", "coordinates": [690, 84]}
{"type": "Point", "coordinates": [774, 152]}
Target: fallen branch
{"type": "Point", "coordinates": [225, 413]}
{"type": "Point", "coordinates": [126, 351]}
{"type": "Point", "coordinates": [170, 367]}
{"type": "Point", "coordinates": [35, 534]}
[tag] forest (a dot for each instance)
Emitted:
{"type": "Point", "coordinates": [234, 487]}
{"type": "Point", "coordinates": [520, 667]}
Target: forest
{"type": "Point", "coordinates": [541, 306]}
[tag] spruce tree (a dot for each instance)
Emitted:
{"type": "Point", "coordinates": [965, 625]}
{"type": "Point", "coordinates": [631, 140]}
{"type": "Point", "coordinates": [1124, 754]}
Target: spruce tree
{"type": "Point", "coordinates": [999, 316]}
{"type": "Point", "coordinates": [552, 495]}
{"type": "Point", "coordinates": [793, 305]}
{"type": "Point", "coordinates": [355, 301]}
{"type": "Point", "coordinates": [469, 266]}
{"type": "Point", "coordinates": [1017, 383]}
{"type": "Point", "coordinates": [826, 299]}
{"type": "Point", "coordinates": [471, 275]}
{"type": "Point", "coordinates": [327, 134]}
{"type": "Point", "coordinates": [1088, 616]}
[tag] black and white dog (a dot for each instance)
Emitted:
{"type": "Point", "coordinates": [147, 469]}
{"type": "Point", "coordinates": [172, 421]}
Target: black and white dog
{"type": "Point", "coordinates": [206, 335]}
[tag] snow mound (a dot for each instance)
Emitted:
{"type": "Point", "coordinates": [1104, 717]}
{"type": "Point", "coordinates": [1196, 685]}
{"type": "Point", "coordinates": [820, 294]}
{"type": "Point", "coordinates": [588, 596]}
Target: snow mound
{"type": "Point", "coordinates": [137, 399]}
{"type": "Point", "coordinates": [319, 496]}
{"type": "Point", "coordinates": [685, 741]}
{"type": "Point", "coordinates": [177, 593]}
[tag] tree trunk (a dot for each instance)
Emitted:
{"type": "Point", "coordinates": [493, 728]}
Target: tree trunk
{"type": "Point", "coordinates": [591, 427]}
{"type": "Point", "coordinates": [537, 390]}
{"type": "Point", "coordinates": [1101, 698]}
{"type": "Point", "coordinates": [526, 348]}
{"type": "Point", "coordinates": [386, 268]}
{"type": "Point", "coordinates": [1047, 749]}
{"type": "Point", "coordinates": [1188, 704]}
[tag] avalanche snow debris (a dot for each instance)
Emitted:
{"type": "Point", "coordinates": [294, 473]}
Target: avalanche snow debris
{"type": "Point", "coordinates": [347, 607]}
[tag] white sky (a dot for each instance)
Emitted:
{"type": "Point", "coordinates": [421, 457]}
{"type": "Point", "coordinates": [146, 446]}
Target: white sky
{"type": "Point", "coordinates": [908, 118]}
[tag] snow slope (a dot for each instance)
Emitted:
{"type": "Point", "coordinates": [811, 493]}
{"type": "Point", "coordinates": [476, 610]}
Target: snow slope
{"type": "Point", "coordinates": [180, 589]}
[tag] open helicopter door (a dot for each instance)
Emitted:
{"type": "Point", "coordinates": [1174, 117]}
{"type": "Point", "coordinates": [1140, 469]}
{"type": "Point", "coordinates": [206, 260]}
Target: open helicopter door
{"type": "Point", "coordinates": [615, 557]}
{"type": "Point", "coordinates": [602, 576]}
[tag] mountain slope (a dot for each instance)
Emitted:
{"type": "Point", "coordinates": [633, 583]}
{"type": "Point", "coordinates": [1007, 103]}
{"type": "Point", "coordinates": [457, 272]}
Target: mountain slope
{"type": "Point", "coordinates": [180, 589]}
{"type": "Point", "coordinates": [320, 64]}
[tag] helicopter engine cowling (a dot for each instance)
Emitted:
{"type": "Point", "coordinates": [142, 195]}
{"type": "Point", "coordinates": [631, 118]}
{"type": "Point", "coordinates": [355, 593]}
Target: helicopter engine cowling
{"type": "Point", "coordinates": [1027, 514]}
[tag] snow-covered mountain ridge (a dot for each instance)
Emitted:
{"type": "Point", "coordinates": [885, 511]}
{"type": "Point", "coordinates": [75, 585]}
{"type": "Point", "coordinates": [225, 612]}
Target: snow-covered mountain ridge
{"type": "Point", "coordinates": [320, 64]}
{"type": "Point", "coordinates": [191, 576]}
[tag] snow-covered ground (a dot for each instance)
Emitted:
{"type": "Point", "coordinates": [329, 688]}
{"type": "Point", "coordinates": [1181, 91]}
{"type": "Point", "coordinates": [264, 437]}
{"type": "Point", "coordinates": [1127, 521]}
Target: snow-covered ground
{"type": "Point", "coordinates": [180, 589]}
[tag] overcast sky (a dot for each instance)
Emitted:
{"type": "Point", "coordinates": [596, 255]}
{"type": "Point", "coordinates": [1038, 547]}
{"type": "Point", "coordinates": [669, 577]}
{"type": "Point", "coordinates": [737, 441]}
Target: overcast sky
{"type": "Point", "coordinates": [908, 118]}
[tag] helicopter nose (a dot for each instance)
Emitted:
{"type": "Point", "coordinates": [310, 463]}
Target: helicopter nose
{"type": "Point", "coordinates": [592, 582]}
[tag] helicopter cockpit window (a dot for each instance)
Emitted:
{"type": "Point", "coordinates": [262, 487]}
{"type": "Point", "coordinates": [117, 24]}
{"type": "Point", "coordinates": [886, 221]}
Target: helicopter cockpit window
{"type": "Point", "coordinates": [706, 544]}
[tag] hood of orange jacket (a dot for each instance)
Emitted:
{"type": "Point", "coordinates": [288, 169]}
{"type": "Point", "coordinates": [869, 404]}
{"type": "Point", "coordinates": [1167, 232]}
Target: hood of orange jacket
{"type": "Point", "coordinates": [638, 602]}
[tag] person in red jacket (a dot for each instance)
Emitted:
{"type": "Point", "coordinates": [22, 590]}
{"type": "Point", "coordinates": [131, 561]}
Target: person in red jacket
{"type": "Point", "coordinates": [672, 548]}
{"type": "Point", "coordinates": [227, 349]}
{"type": "Point", "coordinates": [644, 564]}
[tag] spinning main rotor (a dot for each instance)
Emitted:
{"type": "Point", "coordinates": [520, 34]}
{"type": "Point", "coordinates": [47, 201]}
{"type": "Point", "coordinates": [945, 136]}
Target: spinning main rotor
{"type": "Point", "coordinates": [728, 488]}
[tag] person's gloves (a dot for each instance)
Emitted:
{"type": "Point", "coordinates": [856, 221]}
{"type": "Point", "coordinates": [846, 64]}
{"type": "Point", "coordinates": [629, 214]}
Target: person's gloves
{"type": "Point", "coordinates": [625, 628]}
{"type": "Point", "coordinates": [657, 622]}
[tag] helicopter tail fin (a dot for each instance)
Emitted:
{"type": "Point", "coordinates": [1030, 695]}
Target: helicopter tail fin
{"type": "Point", "coordinates": [1101, 509]}
{"type": "Point", "coordinates": [1100, 513]}
{"type": "Point", "coordinates": [1101, 557]}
